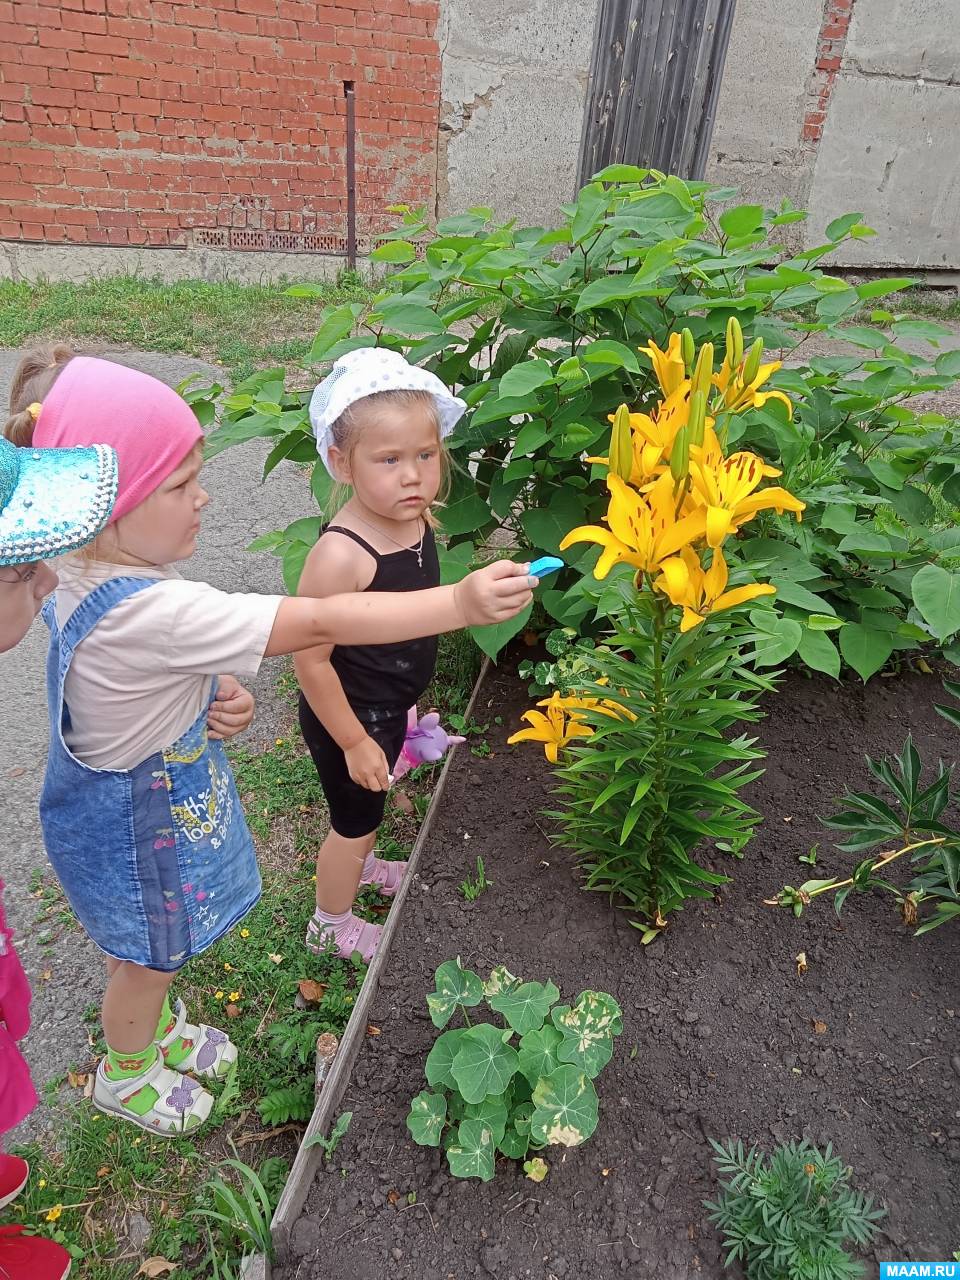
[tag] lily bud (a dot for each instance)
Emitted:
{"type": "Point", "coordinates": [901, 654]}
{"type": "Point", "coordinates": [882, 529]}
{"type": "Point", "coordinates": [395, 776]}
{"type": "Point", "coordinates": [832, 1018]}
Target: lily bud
{"type": "Point", "coordinates": [687, 348]}
{"type": "Point", "coordinates": [680, 456]}
{"type": "Point", "coordinates": [697, 417]}
{"type": "Point", "coordinates": [703, 373]}
{"type": "Point", "coordinates": [752, 363]}
{"type": "Point", "coordinates": [621, 445]}
{"type": "Point", "coordinates": [734, 343]}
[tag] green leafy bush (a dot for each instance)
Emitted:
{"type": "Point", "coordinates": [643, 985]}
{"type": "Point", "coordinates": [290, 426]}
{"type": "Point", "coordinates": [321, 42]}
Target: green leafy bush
{"type": "Point", "coordinates": [539, 331]}
{"type": "Point", "coordinates": [489, 1095]}
{"type": "Point", "coordinates": [911, 819]}
{"type": "Point", "coordinates": [788, 1217]}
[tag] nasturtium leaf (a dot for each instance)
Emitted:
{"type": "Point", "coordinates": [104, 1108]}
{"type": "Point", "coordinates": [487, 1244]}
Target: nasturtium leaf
{"type": "Point", "coordinates": [454, 986]}
{"type": "Point", "coordinates": [566, 1108]}
{"type": "Point", "coordinates": [484, 1063]}
{"type": "Point", "coordinates": [588, 1030]}
{"type": "Point", "coordinates": [501, 979]}
{"type": "Point", "coordinates": [536, 1169]}
{"type": "Point", "coordinates": [514, 1144]}
{"type": "Point", "coordinates": [471, 1154]}
{"type": "Point", "coordinates": [865, 648]}
{"type": "Point", "coordinates": [538, 1053]}
{"type": "Point", "coordinates": [936, 593]}
{"type": "Point", "coordinates": [440, 1059]}
{"type": "Point", "coordinates": [425, 1120]}
{"type": "Point", "coordinates": [491, 1111]}
{"type": "Point", "coordinates": [526, 1006]}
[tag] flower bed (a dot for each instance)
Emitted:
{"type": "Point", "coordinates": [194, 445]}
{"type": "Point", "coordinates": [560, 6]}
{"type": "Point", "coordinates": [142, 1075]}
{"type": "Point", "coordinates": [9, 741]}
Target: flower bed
{"type": "Point", "coordinates": [722, 1036]}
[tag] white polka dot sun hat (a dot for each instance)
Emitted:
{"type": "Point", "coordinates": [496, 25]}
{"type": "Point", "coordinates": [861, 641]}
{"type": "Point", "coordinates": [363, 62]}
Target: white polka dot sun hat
{"type": "Point", "coordinates": [363, 373]}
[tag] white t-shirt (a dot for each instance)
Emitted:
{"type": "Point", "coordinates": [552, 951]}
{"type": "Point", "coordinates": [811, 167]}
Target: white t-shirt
{"type": "Point", "coordinates": [144, 673]}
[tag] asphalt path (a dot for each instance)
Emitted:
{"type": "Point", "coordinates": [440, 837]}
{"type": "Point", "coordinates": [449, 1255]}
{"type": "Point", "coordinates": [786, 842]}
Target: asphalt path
{"type": "Point", "coordinates": [241, 507]}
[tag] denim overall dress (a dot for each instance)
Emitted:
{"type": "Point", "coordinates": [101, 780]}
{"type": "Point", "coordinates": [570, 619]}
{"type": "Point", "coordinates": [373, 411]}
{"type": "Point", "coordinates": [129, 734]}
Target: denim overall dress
{"type": "Point", "coordinates": [156, 861]}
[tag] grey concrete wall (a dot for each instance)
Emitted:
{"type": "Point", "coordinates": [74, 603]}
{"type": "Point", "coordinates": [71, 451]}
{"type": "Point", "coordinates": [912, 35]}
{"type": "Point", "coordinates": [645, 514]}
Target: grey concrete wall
{"type": "Point", "coordinates": [512, 100]}
{"type": "Point", "coordinates": [891, 145]}
{"type": "Point", "coordinates": [514, 91]}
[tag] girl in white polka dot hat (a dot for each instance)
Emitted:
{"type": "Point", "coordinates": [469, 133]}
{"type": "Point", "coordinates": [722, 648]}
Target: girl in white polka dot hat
{"type": "Point", "coordinates": [380, 423]}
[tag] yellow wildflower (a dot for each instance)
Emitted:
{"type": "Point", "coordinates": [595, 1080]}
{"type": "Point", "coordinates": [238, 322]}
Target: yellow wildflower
{"type": "Point", "coordinates": [218, 995]}
{"type": "Point", "coordinates": [234, 995]}
{"type": "Point", "coordinates": [227, 966]}
{"type": "Point", "coordinates": [42, 1183]}
{"type": "Point", "coordinates": [244, 933]}
{"type": "Point", "coordinates": [53, 1214]}
{"type": "Point", "coordinates": [700, 593]}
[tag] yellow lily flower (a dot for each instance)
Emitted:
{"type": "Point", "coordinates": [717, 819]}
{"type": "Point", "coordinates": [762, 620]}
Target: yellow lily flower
{"type": "Point", "coordinates": [554, 729]}
{"type": "Point", "coordinates": [668, 365]}
{"type": "Point", "coordinates": [644, 528]}
{"type": "Point", "coordinates": [739, 394]}
{"type": "Point", "coordinates": [727, 493]}
{"type": "Point", "coordinates": [700, 593]}
{"type": "Point", "coordinates": [574, 703]}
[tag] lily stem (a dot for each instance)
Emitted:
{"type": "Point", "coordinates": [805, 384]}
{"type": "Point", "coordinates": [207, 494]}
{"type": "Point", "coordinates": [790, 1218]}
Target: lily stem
{"type": "Point", "coordinates": [882, 862]}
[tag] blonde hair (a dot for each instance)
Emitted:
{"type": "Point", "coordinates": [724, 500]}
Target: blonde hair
{"type": "Point", "coordinates": [34, 377]}
{"type": "Point", "coordinates": [363, 413]}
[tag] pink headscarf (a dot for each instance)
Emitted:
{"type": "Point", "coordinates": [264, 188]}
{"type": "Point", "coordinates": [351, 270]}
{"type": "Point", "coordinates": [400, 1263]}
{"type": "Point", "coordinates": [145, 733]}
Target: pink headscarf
{"type": "Point", "coordinates": [99, 402]}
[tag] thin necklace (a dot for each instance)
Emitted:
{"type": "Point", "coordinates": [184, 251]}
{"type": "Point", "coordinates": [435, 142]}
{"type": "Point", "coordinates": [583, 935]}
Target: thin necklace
{"type": "Point", "coordinates": [417, 550]}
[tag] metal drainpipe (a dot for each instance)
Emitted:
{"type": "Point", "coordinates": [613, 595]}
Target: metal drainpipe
{"type": "Point", "coordinates": [348, 93]}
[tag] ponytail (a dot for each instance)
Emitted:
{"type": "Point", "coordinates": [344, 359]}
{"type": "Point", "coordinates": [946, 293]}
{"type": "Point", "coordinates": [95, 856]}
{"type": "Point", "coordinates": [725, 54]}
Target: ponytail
{"type": "Point", "coordinates": [32, 381]}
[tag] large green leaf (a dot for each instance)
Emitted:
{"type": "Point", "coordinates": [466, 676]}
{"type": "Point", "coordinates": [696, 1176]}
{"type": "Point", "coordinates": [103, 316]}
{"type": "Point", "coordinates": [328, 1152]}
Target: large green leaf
{"type": "Point", "coordinates": [819, 652]}
{"type": "Point", "coordinates": [588, 1030]}
{"type": "Point", "coordinates": [566, 1108]}
{"type": "Point", "coordinates": [524, 378]}
{"type": "Point", "coordinates": [455, 986]}
{"type": "Point", "coordinates": [472, 1153]}
{"type": "Point", "coordinates": [741, 220]}
{"type": "Point", "coordinates": [425, 1119]}
{"type": "Point", "coordinates": [547, 526]}
{"type": "Point", "coordinates": [465, 514]}
{"type": "Point", "coordinates": [776, 638]}
{"type": "Point", "coordinates": [513, 1144]}
{"type": "Point", "coordinates": [936, 593]}
{"type": "Point", "coordinates": [485, 1063]}
{"type": "Point", "coordinates": [336, 324]}
{"type": "Point", "coordinates": [439, 1063]}
{"type": "Point", "coordinates": [538, 1053]}
{"type": "Point", "coordinates": [491, 1111]}
{"type": "Point", "coordinates": [866, 649]}
{"type": "Point", "coordinates": [526, 1006]}
{"type": "Point", "coordinates": [492, 638]}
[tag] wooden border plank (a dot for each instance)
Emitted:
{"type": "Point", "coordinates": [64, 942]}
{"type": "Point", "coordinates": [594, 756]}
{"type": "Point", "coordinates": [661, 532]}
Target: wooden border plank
{"type": "Point", "coordinates": [308, 1158]}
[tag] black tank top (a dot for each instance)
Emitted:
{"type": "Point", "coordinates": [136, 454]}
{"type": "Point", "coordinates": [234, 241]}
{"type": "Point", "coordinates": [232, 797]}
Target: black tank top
{"type": "Point", "coordinates": [390, 677]}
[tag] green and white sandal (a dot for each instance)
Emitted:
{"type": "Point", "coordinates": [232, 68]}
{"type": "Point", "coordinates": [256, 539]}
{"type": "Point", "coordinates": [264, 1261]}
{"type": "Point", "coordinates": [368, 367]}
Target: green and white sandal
{"type": "Point", "coordinates": [213, 1052]}
{"type": "Point", "coordinates": [181, 1107]}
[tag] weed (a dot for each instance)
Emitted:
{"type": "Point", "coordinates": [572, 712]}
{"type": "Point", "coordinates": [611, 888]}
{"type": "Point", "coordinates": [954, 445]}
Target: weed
{"type": "Point", "coordinates": [810, 857]}
{"type": "Point", "coordinates": [332, 1141]}
{"type": "Point", "coordinates": [472, 887]}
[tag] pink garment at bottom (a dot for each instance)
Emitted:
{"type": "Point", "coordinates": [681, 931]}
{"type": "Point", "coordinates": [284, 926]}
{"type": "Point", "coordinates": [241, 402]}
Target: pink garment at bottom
{"type": "Point", "coordinates": [17, 1094]}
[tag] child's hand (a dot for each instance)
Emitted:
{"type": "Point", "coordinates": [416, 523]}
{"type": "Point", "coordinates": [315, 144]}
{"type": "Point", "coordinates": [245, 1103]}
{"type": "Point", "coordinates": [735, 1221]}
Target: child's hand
{"type": "Point", "coordinates": [367, 765]}
{"type": "Point", "coordinates": [232, 711]}
{"type": "Point", "coordinates": [494, 593]}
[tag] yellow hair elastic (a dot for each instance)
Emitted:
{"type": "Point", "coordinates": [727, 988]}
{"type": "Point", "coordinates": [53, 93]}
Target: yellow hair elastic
{"type": "Point", "coordinates": [34, 409]}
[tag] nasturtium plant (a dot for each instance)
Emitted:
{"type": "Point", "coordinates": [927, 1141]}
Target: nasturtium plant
{"type": "Point", "coordinates": [516, 1086]}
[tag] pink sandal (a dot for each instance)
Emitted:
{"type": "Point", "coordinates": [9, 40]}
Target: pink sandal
{"type": "Point", "coordinates": [356, 935]}
{"type": "Point", "coordinates": [387, 876]}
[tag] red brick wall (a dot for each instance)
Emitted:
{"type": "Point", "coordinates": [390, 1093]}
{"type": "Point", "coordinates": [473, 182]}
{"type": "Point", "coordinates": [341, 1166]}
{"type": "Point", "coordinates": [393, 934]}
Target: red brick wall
{"type": "Point", "coordinates": [831, 44]}
{"type": "Point", "coordinates": [167, 122]}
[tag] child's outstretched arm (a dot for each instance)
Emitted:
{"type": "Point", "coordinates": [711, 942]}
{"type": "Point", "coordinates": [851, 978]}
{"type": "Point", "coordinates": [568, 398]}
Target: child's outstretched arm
{"type": "Point", "coordinates": [492, 594]}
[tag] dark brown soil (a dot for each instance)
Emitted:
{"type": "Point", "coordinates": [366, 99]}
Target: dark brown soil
{"type": "Point", "coordinates": [721, 1022]}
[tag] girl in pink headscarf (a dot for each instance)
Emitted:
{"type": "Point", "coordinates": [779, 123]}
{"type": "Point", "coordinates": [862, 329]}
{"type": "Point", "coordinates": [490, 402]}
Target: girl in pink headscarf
{"type": "Point", "coordinates": [140, 813]}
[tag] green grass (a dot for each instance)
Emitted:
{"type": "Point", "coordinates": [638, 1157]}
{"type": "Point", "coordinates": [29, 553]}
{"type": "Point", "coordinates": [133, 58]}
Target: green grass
{"type": "Point", "coordinates": [242, 327]}
{"type": "Point", "coordinates": [94, 1174]}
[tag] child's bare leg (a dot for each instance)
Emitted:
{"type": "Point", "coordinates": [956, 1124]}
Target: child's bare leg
{"type": "Point", "coordinates": [339, 867]}
{"type": "Point", "coordinates": [133, 1080]}
{"type": "Point", "coordinates": [131, 1007]}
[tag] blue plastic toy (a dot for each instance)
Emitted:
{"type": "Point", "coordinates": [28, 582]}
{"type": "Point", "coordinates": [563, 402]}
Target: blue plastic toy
{"type": "Point", "coordinates": [546, 564]}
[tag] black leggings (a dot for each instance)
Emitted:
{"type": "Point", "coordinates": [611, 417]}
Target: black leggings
{"type": "Point", "coordinates": [354, 811]}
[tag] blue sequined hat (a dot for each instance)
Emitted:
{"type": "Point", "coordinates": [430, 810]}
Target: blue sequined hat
{"type": "Point", "coordinates": [53, 500]}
